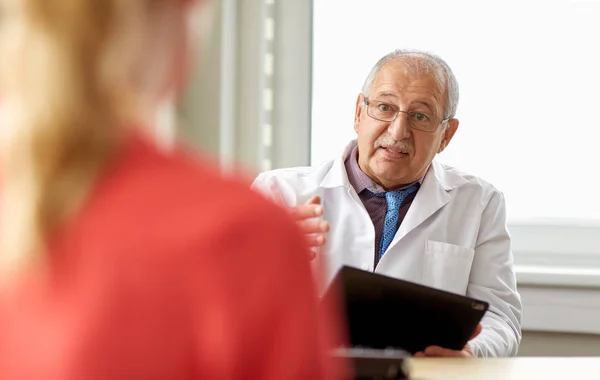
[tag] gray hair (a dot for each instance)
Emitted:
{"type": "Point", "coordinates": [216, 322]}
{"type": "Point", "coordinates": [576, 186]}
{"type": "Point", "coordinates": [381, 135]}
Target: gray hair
{"type": "Point", "coordinates": [421, 63]}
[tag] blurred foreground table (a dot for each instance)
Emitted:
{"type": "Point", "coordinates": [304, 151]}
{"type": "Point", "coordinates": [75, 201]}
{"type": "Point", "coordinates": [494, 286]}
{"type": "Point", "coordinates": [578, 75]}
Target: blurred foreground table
{"type": "Point", "coordinates": [505, 369]}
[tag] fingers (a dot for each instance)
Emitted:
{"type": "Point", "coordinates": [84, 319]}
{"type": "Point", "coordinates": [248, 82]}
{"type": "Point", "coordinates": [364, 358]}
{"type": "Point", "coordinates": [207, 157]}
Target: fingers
{"type": "Point", "coordinates": [313, 226]}
{"type": "Point", "coordinates": [477, 331]}
{"type": "Point", "coordinates": [317, 240]}
{"type": "Point", "coordinates": [306, 211]}
{"type": "Point", "coordinates": [439, 352]}
{"type": "Point", "coordinates": [313, 229]}
{"type": "Point", "coordinates": [315, 200]}
{"type": "Point", "coordinates": [310, 209]}
{"type": "Point", "coordinates": [436, 351]}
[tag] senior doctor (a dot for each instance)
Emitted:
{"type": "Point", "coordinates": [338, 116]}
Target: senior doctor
{"type": "Point", "coordinates": [387, 206]}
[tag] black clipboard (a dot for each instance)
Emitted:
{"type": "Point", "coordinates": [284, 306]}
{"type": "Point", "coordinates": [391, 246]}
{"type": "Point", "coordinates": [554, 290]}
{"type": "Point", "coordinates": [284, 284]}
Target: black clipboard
{"type": "Point", "coordinates": [384, 312]}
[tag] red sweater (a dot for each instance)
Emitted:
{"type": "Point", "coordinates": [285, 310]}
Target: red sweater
{"type": "Point", "coordinates": [168, 272]}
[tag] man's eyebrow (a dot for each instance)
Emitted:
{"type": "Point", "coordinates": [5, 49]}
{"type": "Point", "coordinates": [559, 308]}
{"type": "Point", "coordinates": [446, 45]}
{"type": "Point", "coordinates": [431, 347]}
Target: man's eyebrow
{"type": "Point", "coordinates": [426, 104]}
{"type": "Point", "coordinates": [386, 94]}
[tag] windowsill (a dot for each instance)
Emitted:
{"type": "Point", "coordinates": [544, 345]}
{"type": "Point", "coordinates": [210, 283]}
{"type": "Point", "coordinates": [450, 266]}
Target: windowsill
{"type": "Point", "coordinates": [552, 276]}
{"type": "Point", "coordinates": [560, 298]}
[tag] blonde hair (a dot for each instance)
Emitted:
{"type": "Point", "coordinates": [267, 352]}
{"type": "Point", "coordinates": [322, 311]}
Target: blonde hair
{"type": "Point", "coordinates": [65, 61]}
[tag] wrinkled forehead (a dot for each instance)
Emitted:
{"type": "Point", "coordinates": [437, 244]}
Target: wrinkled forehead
{"type": "Point", "coordinates": [411, 75]}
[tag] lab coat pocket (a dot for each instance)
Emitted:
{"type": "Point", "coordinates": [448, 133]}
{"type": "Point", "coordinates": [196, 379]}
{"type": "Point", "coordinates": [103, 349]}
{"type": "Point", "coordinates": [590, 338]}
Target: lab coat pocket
{"type": "Point", "coordinates": [447, 266]}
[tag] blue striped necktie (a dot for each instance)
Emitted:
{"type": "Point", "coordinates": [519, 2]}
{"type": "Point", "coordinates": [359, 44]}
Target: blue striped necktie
{"type": "Point", "coordinates": [394, 200]}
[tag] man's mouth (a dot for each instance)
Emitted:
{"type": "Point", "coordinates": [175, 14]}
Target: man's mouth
{"type": "Point", "coordinates": [394, 150]}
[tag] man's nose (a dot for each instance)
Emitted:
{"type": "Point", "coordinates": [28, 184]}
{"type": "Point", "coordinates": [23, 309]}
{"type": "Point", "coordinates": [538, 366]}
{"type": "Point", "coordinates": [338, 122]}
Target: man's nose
{"type": "Point", "coordinates": [400, 129]}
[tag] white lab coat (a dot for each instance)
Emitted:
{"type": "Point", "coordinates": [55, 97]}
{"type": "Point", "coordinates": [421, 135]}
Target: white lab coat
{"type": "Point", "coordinates": [453, 237]}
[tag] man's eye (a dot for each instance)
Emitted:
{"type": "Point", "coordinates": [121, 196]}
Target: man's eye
{"type": "Point", "coordinates": [421, 117]}
{"type": "Point", "coordinates": [385, 107]}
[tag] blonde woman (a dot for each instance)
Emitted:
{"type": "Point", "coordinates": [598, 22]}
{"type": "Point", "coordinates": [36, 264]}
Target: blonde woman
{"type": "Point", "coordinates": [119, 260]}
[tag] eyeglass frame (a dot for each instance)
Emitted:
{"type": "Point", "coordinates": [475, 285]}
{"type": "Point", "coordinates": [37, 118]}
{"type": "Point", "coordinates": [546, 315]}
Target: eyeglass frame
{"type": "Point", "coordinates": [366, 101]}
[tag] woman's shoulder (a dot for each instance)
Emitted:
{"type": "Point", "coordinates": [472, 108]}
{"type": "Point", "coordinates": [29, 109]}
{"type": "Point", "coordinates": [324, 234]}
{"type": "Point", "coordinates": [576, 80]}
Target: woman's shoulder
{"type": "Point", "coordinates": [177, 189]}
{"type": "Point", "coordinates": [187, 176]}
{"type": "Point", "coordinates": [172, 173]}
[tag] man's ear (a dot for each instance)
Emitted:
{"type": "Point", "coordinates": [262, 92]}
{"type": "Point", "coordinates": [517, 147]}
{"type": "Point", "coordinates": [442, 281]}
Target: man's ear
{"type": "Point", "coordinates": [358, 111]}
{"type": "Point", "coordinates": [448, 134]}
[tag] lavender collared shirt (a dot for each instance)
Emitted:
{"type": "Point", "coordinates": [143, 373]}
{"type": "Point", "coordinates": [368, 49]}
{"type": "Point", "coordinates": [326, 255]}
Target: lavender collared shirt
{"type": "Point", "coordinates": [376, 206]}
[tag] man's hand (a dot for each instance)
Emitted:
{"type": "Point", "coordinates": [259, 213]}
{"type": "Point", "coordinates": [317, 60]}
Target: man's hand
{"type": "Point", "coordinates": [439, 352]}
{"type": "Point", "coordinates": [315, 230]}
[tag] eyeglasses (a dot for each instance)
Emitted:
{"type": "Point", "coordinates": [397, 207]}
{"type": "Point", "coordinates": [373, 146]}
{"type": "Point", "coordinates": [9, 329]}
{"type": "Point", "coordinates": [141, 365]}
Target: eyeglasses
{"type": "Point", "coordinates": [416, 120]}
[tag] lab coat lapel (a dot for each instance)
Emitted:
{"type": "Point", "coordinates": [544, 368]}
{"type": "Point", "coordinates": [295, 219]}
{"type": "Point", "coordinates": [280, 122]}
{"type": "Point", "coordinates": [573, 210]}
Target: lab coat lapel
{"type": "Point", "coordinates": [432, 196]}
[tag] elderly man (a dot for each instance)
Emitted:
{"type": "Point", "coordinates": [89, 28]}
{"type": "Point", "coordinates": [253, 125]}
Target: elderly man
{"type": "Point", "coordinates": [389, 207]}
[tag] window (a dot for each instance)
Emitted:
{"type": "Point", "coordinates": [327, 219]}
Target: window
{"type": "Point", "coordinates": [249, 100]}
{"type": "Point", "coordinates": [529, 107]}
{"type": "Point", "coordinates": [530, 89]}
